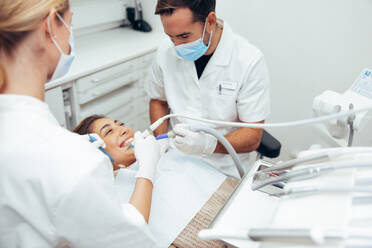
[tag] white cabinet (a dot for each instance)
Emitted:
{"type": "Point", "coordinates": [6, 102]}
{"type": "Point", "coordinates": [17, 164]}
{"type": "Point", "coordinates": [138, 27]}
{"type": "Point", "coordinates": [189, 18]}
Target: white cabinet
{"type": "Point", "coordinates": [116, 92]}
{"type": "Point", "coordinates": [54, 99]}
{"type": "Point", "coordinates": [104, 82]}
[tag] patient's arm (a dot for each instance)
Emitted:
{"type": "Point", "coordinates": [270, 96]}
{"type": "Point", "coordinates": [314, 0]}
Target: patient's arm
{"type": "Point", "coordinates": [141, 197]}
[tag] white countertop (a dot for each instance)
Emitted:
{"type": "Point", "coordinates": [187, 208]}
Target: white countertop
{"type": "Point", "coordinates": [98, 51]}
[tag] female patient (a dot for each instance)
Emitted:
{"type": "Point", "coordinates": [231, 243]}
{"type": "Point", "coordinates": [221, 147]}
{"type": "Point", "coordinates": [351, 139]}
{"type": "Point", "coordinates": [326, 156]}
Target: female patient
{"type": "Point", "coordinates": [118, 143]}
{"type": "Point", "coordinates": [182, 184]}
{"type": "Point", "coordinates": [118, 138]}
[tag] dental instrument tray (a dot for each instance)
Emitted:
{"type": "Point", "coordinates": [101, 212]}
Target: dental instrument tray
{"type": "Point", "coordinates": [272, 189]}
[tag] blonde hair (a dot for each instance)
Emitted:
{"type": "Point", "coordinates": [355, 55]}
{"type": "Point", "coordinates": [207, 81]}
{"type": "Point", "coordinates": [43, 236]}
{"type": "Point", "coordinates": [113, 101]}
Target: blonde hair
{"type": "Point", "coordinates": [20, 17]}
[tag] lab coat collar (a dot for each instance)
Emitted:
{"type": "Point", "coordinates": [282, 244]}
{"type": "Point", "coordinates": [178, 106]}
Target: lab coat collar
{"type": "Point", "coordinates": [19, 103]}
{"type": "Point", "coordinates": [223, 53]}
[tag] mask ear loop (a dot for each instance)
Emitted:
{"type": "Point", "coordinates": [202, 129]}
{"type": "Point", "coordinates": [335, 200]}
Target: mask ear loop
{"type": "Point", "coordinates": [53, 37]}
{"type": "Point", "coordinates": [63, 21]}
{"type": "Point", "coordinates": [210, 37]}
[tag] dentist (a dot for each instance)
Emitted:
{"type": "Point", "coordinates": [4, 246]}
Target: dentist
{"type": "Point", "coordinates": [206, 70]}
{"type": "Point", "coordinates": [56, 189]}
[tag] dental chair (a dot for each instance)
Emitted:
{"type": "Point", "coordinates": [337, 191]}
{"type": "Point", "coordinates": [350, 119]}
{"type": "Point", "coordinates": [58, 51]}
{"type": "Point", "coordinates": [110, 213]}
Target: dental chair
{"type": "Point", "coordinates": [269, 147]}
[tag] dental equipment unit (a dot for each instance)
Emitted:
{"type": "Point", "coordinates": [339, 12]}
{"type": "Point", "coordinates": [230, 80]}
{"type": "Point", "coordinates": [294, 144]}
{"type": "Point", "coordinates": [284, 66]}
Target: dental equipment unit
{"type": "Point", "coordinates": [323, 186]}
{"type": "Point", "coordinates": [320, 205]}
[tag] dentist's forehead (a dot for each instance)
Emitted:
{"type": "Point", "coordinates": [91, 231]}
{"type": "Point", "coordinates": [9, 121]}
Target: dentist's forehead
{"type": "Point", "coordinates": [179, 22]}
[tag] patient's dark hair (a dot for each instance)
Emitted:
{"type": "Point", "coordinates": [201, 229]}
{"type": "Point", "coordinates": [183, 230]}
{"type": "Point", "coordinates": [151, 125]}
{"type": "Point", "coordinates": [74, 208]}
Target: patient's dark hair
{"type": "Point", "coordinates": [85, 125]}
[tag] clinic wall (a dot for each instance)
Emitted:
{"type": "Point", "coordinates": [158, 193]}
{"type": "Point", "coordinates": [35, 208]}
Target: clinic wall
{"type": "Point", "coordinates": [310, 46]}
{"type": "Point", "coordinates": [89, 16]}
{"type": "Point", "coordinates": [148, 14]}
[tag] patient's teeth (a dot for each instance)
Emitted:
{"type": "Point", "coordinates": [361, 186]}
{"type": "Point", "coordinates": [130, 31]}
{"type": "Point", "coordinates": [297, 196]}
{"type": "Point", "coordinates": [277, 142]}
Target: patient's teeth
{"type": "Point", "coordinates": [129, 141]}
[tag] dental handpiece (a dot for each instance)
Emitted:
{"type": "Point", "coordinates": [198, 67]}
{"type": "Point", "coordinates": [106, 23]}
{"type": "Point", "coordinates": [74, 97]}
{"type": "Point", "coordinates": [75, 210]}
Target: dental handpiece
{"type": "Point", "coordinates": [168, 135]}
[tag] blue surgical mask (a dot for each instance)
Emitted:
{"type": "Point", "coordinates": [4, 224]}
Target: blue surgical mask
{"type": "Point", "coordinates": [194, 50]}
{"type": "Point", "coordinates": [65, 60]}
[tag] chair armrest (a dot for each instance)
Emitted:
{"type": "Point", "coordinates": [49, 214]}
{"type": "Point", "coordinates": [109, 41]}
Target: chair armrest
{"type": "Point", "coordinates": [269, 146]}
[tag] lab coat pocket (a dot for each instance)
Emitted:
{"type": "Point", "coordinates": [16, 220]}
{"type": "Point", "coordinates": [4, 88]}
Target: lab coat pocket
{"type": "Point", "coordinates": [222, 102]}
{"type": "Point", "coordinates": [226, 89]}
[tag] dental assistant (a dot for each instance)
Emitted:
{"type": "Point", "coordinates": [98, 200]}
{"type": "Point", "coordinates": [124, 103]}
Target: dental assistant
{"type": "Point", "coordinates": [206, 70]}
{"type": "Point", "coordinates": [56, 188]}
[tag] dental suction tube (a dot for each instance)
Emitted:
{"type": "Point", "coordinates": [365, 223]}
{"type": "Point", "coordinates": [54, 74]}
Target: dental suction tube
{"type": "Point", "coordinates": [224, 142]}
{"type": "Point", "coordinates": [157, 123]}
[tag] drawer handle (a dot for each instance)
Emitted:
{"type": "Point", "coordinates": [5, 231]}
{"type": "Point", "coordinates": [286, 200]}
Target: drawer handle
{"type": "Point", "coordinates": [116, 76]}
{"type": "Point", "coordinates": [95, 80]}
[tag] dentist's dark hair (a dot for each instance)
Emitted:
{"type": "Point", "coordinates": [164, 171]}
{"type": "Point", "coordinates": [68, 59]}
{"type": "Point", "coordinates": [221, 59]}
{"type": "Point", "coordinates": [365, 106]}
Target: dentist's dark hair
{"type": "Point", "coordinates": [85, 126]}
{"type": "Point", "coordinates": [199, 8]}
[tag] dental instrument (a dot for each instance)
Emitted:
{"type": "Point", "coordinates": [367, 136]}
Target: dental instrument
{"type": "Point", "coordinates": [362, 200]}
{"type": "Point", "coordinates": [131, 145]}
{"type": "Point", "coordinates": [168, 135]}
{"type": "Point", "coordinates": [313, 171]}
{"type": "Point", "coordinates": [329, 155]}
{"type": "Point", "coordinates": [363, 180]}
{"type": "Point", "coordinates": [314, 235]}
{"type": "Point", "coordinates": [92, 139]}
{"type": "Point", "coordinates": [312, 190]}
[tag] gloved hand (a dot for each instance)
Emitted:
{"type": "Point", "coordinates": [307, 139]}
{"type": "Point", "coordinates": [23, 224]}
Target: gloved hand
{"type": "Point", "coordinates": [194, 143]}
{"type": "Point", "coordinates": [164, 145]}
{"type": "Point", "coordinates": [147, 152]}
{"type": "Point", "coordinates": [98, 141]}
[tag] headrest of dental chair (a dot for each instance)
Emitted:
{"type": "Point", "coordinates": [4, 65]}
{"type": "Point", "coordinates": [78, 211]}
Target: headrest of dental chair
{"type": "Point", "coordinates": [269, 146]}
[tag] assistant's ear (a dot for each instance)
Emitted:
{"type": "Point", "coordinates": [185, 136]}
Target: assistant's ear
{"type": "Point", "coordinates": [49, 25]}
{"type": "Point", "coordinates": [211, 22]}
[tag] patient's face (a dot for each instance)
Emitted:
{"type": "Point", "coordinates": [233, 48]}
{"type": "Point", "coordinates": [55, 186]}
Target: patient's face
{"type": "Point", "coordinates": [117, 138]}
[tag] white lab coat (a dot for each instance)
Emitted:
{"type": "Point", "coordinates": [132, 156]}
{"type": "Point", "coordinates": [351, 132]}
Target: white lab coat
{"type": "Point", "coordinates": [56, 189]}
{"type": "Point", "coordinates": [233, 87]}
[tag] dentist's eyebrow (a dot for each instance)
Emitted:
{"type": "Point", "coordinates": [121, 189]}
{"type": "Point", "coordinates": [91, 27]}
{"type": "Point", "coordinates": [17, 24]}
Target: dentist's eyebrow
{"type": "Point", "coordinates": [105, 126]}
{"type": "Point", "coordinates": [179, 35]}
